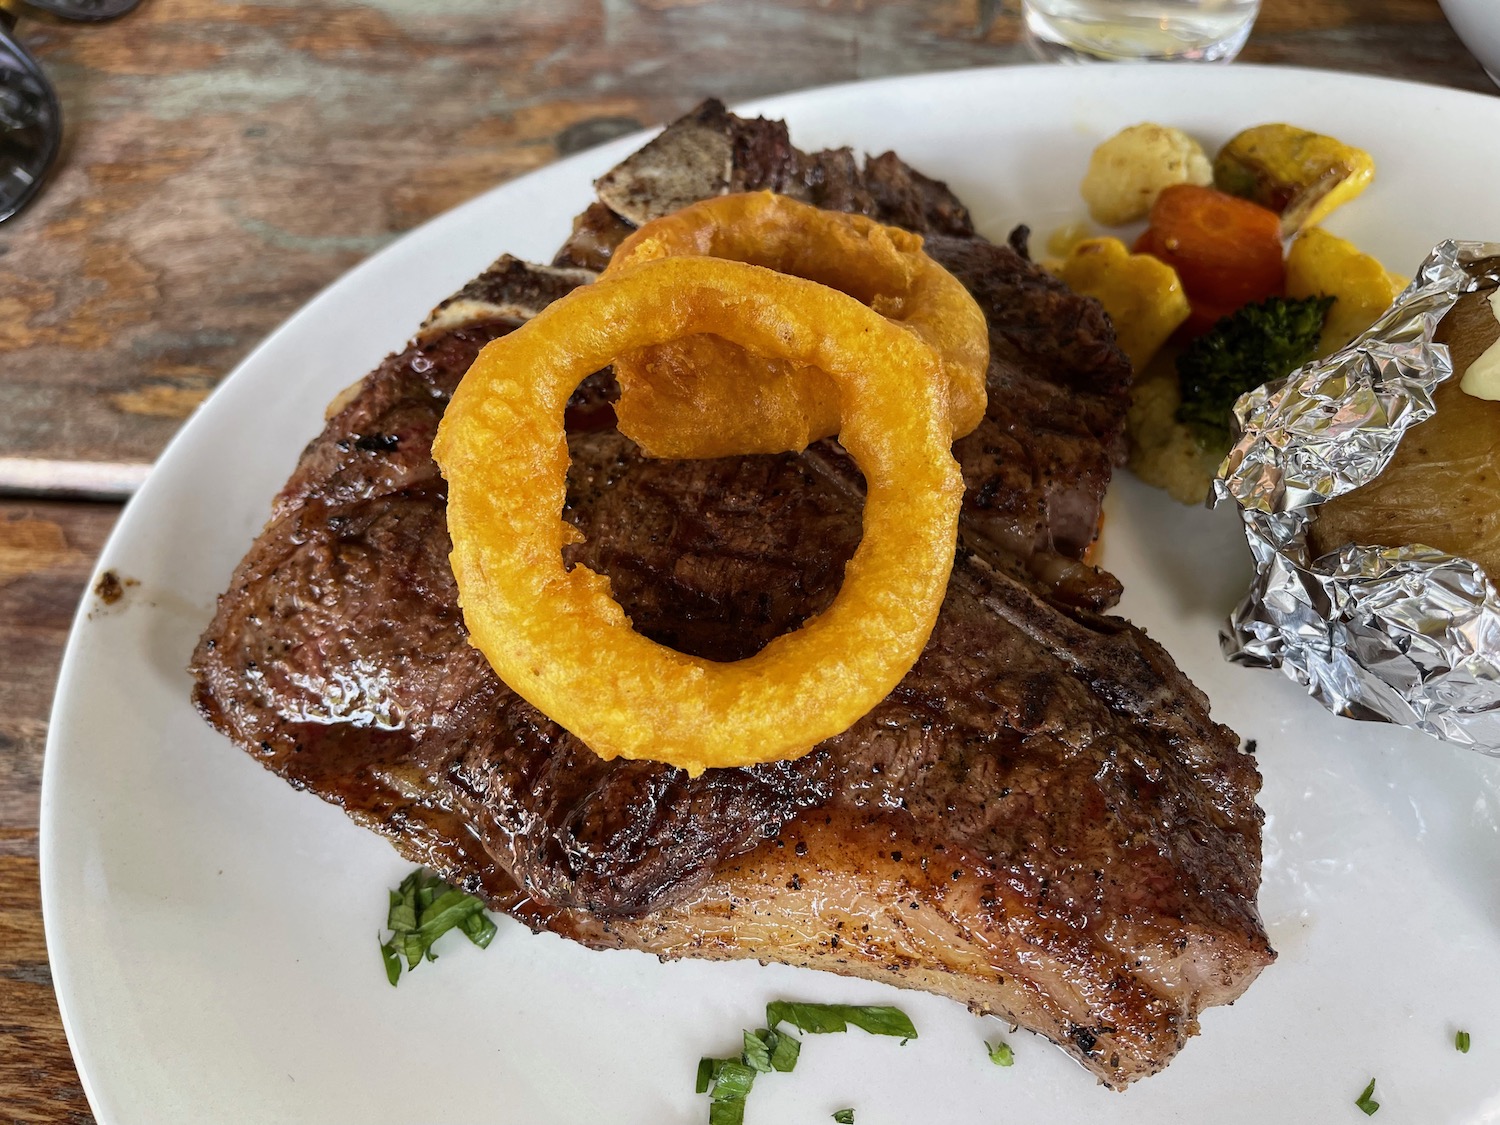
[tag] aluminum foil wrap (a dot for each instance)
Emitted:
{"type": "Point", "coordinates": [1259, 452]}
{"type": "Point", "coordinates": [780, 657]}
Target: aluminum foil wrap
{"type": "Point", "coordinates": [1406, 635]}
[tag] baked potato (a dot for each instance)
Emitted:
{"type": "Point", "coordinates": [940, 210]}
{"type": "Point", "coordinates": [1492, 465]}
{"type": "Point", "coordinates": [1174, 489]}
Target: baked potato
{"type": "Point", "coordinates": [1442, 489]}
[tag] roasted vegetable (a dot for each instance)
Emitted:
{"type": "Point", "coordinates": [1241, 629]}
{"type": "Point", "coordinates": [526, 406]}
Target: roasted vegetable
{"type": "Point", "coordinates": [1227, 252]}
{"type": "Point", "coordinates": [1442, 488]}
{"type": "Point", "coordinates": [1163, 452]}
{"type": "Point", "coordinates": [1300, 175]}
{"type": "Point", "coordinates": [1128, 171]}
{"type": "Point", "coordinates": [1322, 264]}
{"type": "Point", "coordinates": [1061, 242]}
{"type": "Point", "coordinates": [1258, 343]}
{"type": "Point", "coordinates": [1142, 295]}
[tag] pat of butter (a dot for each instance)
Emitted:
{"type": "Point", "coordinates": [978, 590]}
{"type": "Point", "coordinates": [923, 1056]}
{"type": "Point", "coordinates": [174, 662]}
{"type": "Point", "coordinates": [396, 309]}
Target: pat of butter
{"type": "Point", "coordinates": [1482, 379]}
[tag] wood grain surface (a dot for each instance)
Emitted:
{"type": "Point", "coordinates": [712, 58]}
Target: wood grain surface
{"type": "Point", "coordinates": [46, 553]}
{"type": "Point", "coordinates": [225, 159]}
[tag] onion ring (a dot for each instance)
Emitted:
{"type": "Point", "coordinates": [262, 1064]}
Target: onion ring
{"type": "Point", "coordinates": [704, 397]}
{"type": "Point", "coordinates": [557, 636]}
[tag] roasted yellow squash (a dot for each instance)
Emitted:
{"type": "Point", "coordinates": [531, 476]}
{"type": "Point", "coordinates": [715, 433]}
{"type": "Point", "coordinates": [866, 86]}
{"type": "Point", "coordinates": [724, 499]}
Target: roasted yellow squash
{"type": "Point", "coordinates": [1300, 175]}
{"type": "Point", "coordinates": [1320, 264]}
{"type": "Point", "coordinates": [1142, 295]}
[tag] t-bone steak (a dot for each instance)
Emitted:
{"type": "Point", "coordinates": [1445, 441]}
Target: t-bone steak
{"type": "Point", "coordinates": [1041, 821]}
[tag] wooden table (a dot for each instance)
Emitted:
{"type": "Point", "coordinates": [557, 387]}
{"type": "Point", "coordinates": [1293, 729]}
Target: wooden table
{"type": "Point", "coordinates": [192, 212]}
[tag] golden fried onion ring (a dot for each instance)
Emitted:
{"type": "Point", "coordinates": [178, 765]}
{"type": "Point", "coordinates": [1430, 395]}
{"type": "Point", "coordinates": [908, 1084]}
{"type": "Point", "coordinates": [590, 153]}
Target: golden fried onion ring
{"type": "Point", "coordinates": [704, 397]}
{"type": "Point", "coordinates": [557, 636]}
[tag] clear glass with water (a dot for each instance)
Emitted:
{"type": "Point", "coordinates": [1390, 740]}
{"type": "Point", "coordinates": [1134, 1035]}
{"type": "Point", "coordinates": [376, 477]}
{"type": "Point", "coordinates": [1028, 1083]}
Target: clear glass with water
{"type": "Point", "coordinates": [1194, 30]}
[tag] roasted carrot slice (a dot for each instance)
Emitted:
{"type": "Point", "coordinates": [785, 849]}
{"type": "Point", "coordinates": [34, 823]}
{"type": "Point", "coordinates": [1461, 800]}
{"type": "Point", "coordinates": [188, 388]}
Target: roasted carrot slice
{"type": "Point", "coordinates": [1226, 251]}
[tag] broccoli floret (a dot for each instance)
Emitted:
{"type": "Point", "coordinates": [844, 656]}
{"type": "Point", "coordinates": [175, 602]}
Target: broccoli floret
{"type": "Point", "coordinates": [1258, 343]}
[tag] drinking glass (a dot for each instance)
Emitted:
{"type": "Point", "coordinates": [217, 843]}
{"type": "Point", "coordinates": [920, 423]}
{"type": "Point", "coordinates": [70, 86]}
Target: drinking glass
{"type": "Point", "coordinates": [1195, 30]}
{"type": "Point", "coordinates": [30, 123]}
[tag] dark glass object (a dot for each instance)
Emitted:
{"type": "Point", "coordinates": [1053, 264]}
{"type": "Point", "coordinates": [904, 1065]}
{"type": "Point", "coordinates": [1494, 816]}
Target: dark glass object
{"type": "Point", "coordinates": [30, 115]}
{"type": "Point", "coordinates": [30, 123]}
{"type": "Point", "coordinates": [87, 11]}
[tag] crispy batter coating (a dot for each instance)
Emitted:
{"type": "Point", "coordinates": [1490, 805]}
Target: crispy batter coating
{"type": "Point", "coordinates": [559, 639]}
{"type": "Point", "coordinates": [704, 397]}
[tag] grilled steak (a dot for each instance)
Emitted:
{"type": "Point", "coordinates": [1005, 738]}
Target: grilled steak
{"type": "Point", "coordinates": [711, 151]}
{"type": "Point", "coordinates": [1040, 821]}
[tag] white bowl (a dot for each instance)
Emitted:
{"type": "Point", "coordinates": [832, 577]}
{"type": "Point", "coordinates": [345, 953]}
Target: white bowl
{"type": "Point", "coordinates": [1478, 25]}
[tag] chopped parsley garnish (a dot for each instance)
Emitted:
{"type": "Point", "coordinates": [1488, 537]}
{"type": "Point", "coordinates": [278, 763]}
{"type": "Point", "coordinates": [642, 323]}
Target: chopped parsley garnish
{"type": "Point", "coordinates": [767, 1050]}
{"type": "Point", "coordinates": [423, 909]}
{"type": "Point", "coordinates": [733, 1081]}
{"type": "Point", "coordinates": [818, 1019]}
{"type": "Point", "coordinates": [1001, 1054]}
{"type": "Point", "coordinates": [727, 1082]}
{"type": "Point", "coordinates": [784, 1050]}
{"type": "Point", "coordinates": [1461, 1042]}
{"type": "Point", "coordinates": [757, 1053]}
{"type": "Point", "coordinates": [727, 1113]}
{"type": "Point", "coordinates": [1366, 1101]}
{"type": "Point", "coordinates": [708, 1070]}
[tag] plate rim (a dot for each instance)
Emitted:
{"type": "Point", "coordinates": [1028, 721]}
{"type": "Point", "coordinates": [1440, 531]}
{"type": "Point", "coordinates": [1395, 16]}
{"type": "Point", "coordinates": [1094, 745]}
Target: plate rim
{"type": "Point", "coordinates": [780, 104]}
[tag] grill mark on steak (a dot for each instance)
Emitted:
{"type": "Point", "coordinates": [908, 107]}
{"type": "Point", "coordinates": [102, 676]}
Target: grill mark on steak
{"type": "Point", "coordinates": [345, 614]}
{"type": "Point", "coordinates": [1040, 821]}
{"type": "Point", "coordinates": [1040, 462]}
{"type": "Point", "coordinates": [716, 557]}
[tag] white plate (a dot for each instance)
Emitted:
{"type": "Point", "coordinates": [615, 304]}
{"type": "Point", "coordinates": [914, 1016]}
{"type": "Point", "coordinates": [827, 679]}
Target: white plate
{"type": "Point", "coordinates": [213, 933]}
